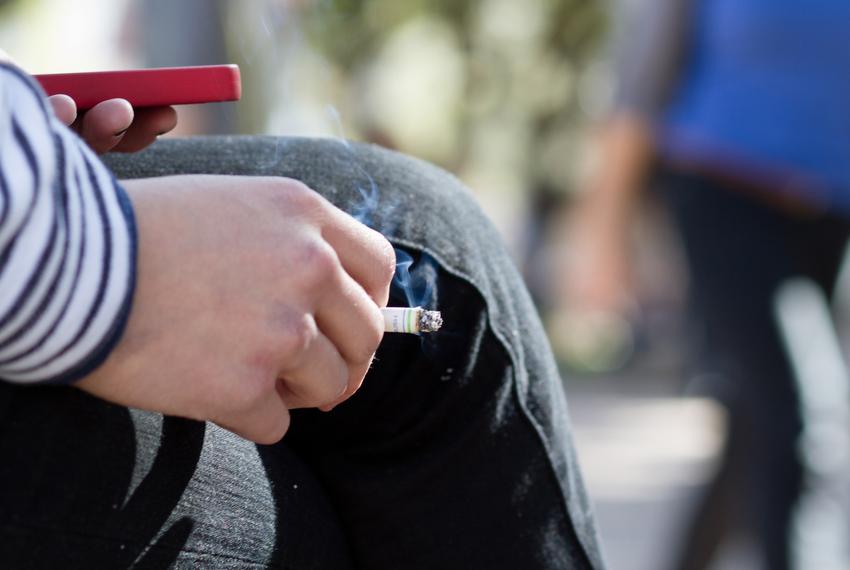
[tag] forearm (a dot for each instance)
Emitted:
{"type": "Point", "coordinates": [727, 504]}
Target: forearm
{"type": "Point", "coordinates": [67, 244]}
{"type": "Point", "coordinates": [624, 149]}
{"type": "Point", "coordinates": [649, 45]}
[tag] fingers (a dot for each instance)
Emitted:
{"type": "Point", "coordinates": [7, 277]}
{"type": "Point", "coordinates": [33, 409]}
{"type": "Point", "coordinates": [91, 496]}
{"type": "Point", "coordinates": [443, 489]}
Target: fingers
{"type": "Point", "coordinates": [356, 374]}
{"type": "Point", "coordinates": [64, 108]}
{"type": "Point", "coordinates": [325, 356]}
{"type": "Point", "coordinates": [313, 374]}
{"type": "Point", "coordinates": [115, 125]}
{"type": "Point", "coordinates": [104, 125]}
{"type": "Point", "coordinates": [317, 376]}
{"type": "Point", "coordinates": [353, 323]}
{"type": "Point", "coordinates": [351, 320]}
{"type": "Point", "coordinates": [265, 424]}
{"type": "Point", "coordinates": [346, 276]}
{"type": "Point", "coordinates": [365, 254]}
{"type": "Point", "coordinates": [149, 123]}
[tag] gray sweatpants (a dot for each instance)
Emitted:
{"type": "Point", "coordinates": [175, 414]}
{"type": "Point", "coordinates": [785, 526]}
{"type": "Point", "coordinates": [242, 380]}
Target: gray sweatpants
{"type": "Point", "coordinates": [456, 453]}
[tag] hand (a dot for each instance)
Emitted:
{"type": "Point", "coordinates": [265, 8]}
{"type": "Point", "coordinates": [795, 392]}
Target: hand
{"type": "Point", "coordinates": [254, 296]}
{"type": "Point", "coordinates": [114, 125]}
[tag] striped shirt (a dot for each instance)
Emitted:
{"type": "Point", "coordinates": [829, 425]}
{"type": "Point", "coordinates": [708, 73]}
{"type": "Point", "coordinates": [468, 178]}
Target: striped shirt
{"type": "Point", "coordinates": [67, 244]}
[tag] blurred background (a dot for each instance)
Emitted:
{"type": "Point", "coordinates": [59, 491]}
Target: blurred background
{"type": "Point", "coordinates": [513, 97]}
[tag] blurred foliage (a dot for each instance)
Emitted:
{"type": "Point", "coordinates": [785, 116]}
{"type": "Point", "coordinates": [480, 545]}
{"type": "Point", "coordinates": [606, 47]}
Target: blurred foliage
{"type": "Point", "coordinates": [351, 29]}
{"type": "Point", "coordinates": [508, 92]}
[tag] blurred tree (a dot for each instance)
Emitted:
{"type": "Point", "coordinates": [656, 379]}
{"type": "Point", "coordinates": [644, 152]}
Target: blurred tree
{"type": "Point", "coordinates": [498, 91]}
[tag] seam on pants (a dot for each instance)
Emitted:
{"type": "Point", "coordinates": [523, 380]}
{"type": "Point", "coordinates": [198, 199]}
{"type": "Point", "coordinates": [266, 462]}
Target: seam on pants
{"type": "Point", "coordinates": [538, 430]}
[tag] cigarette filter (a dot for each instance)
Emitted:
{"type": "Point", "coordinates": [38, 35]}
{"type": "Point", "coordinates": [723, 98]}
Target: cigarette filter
{"type": "Point", "coordinates": [412, 320]}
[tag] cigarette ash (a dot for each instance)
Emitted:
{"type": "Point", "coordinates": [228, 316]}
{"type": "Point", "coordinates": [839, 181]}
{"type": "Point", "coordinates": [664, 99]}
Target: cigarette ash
{"type": "Point", "coordinates": [430, 321]}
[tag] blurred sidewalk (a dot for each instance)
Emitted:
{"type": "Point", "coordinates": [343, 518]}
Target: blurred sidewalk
{"type": "Point", "coordinates": [645, 452]}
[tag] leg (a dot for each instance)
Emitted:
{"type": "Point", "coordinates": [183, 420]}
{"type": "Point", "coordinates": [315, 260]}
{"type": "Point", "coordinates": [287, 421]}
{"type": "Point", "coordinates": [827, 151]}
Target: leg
{"type": "Point", "coordinates": [85, 484]}
{"type": "Point", "coordinates": [455, 454]}
{"type": "Point", "coordinates": [739, 253]}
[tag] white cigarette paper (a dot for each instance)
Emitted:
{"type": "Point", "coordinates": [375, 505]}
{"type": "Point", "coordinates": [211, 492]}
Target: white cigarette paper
{"type": "Point", "coordinates": [411, 320]}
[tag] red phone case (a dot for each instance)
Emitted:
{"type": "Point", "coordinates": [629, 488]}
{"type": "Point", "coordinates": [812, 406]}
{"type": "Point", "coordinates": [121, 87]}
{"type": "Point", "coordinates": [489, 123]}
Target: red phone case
{"type": "Point", "coordinates": [148, 87]}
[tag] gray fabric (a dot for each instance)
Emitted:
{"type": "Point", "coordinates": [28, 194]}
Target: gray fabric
{"type": "Point", "coordinates": [456, 453]}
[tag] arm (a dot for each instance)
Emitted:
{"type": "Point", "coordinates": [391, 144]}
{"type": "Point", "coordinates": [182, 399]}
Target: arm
{"type": "Point", "coordinates": [595, 280]}
{"type": "Point", "coordinates": [253, 296]}
{"type": "Point", "coordinates": [599, 227]}
{"type": "Point", "coordinates": [649, 46]}
{"type": "Point", "coordinates": [67, 243]}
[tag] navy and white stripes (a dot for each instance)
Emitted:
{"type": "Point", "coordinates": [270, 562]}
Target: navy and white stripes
{"type": "Point", "coordinates": [67, 244]}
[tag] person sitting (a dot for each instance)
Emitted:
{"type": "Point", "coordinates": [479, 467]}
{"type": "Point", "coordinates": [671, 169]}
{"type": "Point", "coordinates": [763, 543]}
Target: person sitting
{"type": "Point", "coordinates": [160, 334]}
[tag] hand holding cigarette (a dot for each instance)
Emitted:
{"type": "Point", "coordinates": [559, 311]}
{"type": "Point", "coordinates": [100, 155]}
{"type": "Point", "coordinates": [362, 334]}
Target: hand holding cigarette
{"type": "Point", "coordinates": [254, 296]}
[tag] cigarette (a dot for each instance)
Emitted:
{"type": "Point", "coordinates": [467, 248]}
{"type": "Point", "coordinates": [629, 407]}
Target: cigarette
{"type": "Point", "coordinates": [411, 320]}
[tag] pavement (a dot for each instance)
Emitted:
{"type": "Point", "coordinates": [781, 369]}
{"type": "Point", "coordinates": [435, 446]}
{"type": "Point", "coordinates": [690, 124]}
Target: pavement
{"type": "Point", "coordinates": [646, 451]}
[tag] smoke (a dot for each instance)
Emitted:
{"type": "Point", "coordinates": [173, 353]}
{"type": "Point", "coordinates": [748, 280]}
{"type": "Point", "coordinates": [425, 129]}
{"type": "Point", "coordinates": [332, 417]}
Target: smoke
{"type": "Point", "coordinates": [415, 279]}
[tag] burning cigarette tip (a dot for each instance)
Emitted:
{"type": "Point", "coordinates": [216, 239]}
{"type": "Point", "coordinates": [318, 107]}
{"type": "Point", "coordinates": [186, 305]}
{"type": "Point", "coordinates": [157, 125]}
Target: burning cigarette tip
{"type": "Point", "coordinates": [430, 321]}
{"type": "Point", "coordinates": [411, 320]}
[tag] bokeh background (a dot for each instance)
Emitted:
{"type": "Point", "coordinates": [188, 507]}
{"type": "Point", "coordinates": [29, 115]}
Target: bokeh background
{"type": "Point", "coordinates": [503, 93]}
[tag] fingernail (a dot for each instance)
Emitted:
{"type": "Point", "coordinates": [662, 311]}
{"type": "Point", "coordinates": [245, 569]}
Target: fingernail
{"type": "Point", "coordinates": [121, 133]}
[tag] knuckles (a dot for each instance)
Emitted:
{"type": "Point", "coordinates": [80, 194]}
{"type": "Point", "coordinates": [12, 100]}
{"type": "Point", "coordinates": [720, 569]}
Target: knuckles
{"type": "Point", "coordinates": [297, 333]}
{"type": "Point", "coordinates": [315, 263]}
{"type": "Point", "coordinates": [293, 197]}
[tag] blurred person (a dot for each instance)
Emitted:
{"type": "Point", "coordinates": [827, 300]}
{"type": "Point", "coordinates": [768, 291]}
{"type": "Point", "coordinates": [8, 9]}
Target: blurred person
{"type": "Point", "coordinates": [739, 111]}
{"type": "Point", "coordinates": [145, 322]}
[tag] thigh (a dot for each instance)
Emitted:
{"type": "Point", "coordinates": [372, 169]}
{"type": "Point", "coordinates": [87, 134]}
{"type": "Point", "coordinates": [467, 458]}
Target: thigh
{"type": "Point", "coordinates": [456, 453]}
{"type": "Point", "coordinates": [85, 484]}
{"type": "Point", "coordinates": [738, 254]}
{"type": "Point", "coordinates": [740, 251]}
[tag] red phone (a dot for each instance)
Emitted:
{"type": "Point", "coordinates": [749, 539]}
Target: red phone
{"type": "Point", "coordinates": [148, 87]}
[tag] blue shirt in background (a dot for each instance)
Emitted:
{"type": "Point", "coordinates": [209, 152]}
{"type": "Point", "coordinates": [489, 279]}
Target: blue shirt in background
{"type": "Point", "coordinates": [764, 95]}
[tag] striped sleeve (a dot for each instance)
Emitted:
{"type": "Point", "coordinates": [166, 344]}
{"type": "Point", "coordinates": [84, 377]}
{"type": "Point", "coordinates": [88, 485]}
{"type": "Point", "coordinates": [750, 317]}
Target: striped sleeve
{"type": "Point", "coordinates": [67, 244]}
